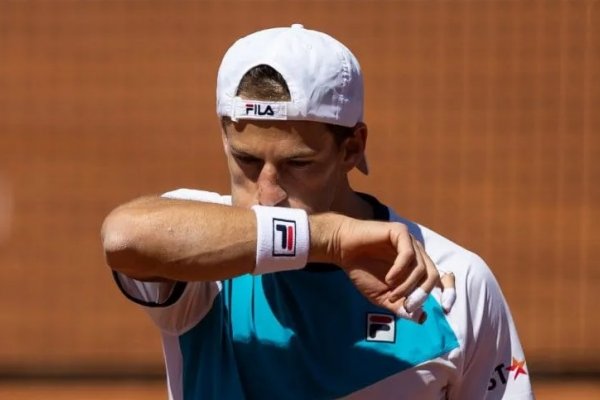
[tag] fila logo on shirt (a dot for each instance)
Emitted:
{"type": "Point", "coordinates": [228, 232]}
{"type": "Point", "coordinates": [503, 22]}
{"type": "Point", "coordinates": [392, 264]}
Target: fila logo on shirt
{"type": "Point", "coordinates": [381, 328]}
{"type": "Point", "coordinates": [259, 109]}
{"type": "Point", "coordinates": [499, 376]}
{"type": "Point", "coordinates": [284, 238]}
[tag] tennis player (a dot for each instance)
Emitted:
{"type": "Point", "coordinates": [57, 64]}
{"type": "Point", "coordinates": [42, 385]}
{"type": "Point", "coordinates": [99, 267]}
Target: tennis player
{"type": "Point", "coordinates": [295, 286]}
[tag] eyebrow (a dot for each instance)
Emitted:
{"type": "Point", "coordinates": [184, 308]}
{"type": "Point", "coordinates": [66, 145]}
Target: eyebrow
{"type": "Point", "coordinates": [239, 152]}
{"type": "Point", "coordinates": [303, 153]}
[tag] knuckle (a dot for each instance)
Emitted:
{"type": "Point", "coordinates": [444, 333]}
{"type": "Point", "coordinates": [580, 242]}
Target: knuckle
{"type": "Point", "coordinates": [409, 253]}
{"type": "Point", "coordinates": [401, 290]}
{"type": "Point", "coordinates": [402, 228]}
{"type": "Point", "coordinates": [447, 279]}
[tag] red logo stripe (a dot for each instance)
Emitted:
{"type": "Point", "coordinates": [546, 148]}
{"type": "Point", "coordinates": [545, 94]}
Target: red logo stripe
{"type": "Point", "coordinates": [381, 319]}
{"type": "Point", "coordinates": [290, 238]}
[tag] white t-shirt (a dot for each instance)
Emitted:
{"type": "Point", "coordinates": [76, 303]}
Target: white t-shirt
{"type": "Point", "coordinates": [309, 334]}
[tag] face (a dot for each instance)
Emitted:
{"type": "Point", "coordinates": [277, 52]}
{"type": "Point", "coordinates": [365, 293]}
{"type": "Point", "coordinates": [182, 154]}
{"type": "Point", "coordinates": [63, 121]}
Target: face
{"type": "Point", "coordinates": [286, 163]}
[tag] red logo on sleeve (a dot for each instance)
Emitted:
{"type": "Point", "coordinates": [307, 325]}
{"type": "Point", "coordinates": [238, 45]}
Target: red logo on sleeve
{"type": "Point", "coordinates": [498, 376]}
{"type": "Point", "coordinates": [518, 367]}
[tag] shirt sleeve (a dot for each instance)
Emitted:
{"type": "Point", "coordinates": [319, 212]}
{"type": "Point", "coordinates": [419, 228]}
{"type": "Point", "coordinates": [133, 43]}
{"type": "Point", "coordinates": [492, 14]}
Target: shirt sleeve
{"type": "Point", "coordinates": [175, 307]}
{"type": "Point", "coordinates": [494, 365]}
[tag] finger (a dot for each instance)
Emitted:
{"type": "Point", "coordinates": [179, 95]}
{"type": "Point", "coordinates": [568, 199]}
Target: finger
{"type": "Point", "coordinates": [415, 300]}
{"type": "Point", "coordinates": [405, 255]}
{"type": "Point", "coordinates": [448, 291]}
{"type": "Point", "coordinates": [441, 272]}
{"type": "Point", "coordinates": [409, 284]}
{"type": "Point", "coordinates": [433, 275]}
{"type": "Point", "coordinates": [415, 277]}
{"type": "Point", "coordinates": [419, 316]}
{"type": "Point", "coordinates": [448, 299]}
{"type": "Point", "coordinates": [447, 279]}
{"type": "Point", "coordinates": [418, 297]}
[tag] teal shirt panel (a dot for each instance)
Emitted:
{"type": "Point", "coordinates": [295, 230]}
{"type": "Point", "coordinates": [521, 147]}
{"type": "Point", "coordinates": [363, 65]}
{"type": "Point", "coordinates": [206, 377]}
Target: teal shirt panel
{"type": "Point", "coordinates": [300, 335]}
{"type": "Point", "coordinates": [209, 365]}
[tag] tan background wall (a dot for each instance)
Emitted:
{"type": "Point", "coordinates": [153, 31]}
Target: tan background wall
{"type": "Point", "coordinates": [483, 123]}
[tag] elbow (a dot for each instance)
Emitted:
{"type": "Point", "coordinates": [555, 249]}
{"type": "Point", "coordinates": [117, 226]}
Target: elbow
{"type": "Point", "coordinates": [119, 241]}
{"type": "Point", "coordinates": [116, 232]}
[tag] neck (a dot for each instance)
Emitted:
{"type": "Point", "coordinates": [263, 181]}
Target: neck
{"type": "Point", "coordinates": [349, 203]}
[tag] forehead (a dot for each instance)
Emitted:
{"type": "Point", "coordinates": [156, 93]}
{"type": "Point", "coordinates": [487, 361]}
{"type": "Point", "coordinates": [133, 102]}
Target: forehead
{"type": "Point", "coordinates": [300, 134]}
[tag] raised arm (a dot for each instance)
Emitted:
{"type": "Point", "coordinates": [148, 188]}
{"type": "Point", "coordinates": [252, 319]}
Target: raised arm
{"type": "Point", "coordinates": [154, 238]}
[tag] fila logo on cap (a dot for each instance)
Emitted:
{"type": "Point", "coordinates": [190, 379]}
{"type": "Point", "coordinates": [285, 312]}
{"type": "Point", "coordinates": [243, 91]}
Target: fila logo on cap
{"type": "Point", "coordinates": [258, 109]}
{"type": "Point", "coordinates": [381, 328]}
{"type": "Point", "coordinates": [284, 238]}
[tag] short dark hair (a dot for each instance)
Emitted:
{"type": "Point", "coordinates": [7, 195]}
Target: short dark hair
{"type": "Point", "coordinates": [263, 82]}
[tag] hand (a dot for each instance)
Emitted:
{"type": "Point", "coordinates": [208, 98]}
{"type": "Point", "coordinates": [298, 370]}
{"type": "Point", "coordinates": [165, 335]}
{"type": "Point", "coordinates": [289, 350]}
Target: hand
{"type": "Point", "coordinates": [388, 265]}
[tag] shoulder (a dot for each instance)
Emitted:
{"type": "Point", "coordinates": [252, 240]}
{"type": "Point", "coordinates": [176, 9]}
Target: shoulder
{"type": "Point", "coordinates": [446, 254]}
{"type": "Point", "coordinates": [198, 195]}
{"type": "Point", "coordinates": [480, 305]}
{"type": "Point", "coordinates": [481, 320]}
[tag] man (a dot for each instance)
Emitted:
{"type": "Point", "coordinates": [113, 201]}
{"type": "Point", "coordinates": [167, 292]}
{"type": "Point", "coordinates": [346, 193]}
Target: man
{"type": "Point", "coordinates": [296, 286]}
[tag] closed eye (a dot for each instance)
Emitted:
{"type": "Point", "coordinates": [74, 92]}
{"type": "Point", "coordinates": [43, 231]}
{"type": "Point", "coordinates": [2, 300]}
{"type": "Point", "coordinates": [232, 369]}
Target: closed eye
{"type": "Point", "coordinates": [246, 159]}
{"type": "Point", "coordinates": [299, 163]}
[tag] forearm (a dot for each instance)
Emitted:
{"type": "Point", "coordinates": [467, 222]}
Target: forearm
{"type": "Point", "coordinates": [155, 237]}
{"type": "Point", "coordinates": [158, 238]}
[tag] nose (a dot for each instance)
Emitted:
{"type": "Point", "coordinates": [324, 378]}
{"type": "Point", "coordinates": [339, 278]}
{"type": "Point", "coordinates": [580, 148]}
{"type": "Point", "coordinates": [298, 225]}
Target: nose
{"type": "Point", "coordinates": [270, 193]}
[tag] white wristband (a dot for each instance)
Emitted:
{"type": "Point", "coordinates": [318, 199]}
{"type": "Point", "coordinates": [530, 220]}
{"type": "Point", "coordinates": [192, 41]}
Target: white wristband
{"type": "Point", "coordinates": [282, 239]}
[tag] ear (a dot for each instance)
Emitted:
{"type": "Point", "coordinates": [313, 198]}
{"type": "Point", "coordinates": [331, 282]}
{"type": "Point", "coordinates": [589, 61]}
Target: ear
{"type": "Point", "coordinates": [354, 147]}
{"type": "Point", "coordinates": [224, 138]}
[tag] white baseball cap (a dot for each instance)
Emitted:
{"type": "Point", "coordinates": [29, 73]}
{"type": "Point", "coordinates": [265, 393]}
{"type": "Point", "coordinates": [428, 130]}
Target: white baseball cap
{"type": "Point", "coordinates": [322, 75]}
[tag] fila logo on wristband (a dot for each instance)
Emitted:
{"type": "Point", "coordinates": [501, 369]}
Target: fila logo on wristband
{"type": "Point", "coordinates": [284, 238]}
